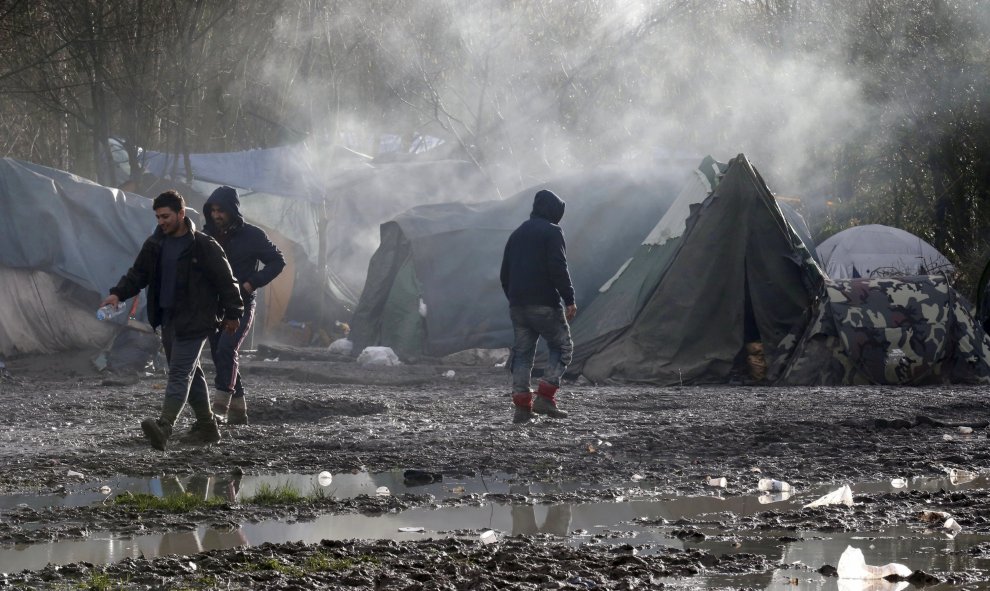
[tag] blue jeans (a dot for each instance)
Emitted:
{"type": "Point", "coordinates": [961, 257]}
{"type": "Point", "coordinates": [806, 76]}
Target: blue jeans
{"type": "Point", "coordinates": [186, 380]}
{"type": "Point", "coordinates": [226, 358]}
{"type": "Point", "coordinates": [529, 323]}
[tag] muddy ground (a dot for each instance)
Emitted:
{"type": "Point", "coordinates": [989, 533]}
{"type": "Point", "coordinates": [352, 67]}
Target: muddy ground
{"type": "Point", "coordinates": [60, 414]}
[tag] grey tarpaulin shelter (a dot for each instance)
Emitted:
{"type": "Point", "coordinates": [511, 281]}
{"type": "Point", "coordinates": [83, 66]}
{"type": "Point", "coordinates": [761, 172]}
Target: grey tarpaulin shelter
{"type": "Point", "coordinates": [738, 250]}
{"type": "Point", "coordinates": [64, 241]}
{"type": "Point", "coordinates": [328, 198]}
{"type": "Point", "coordinates": [875, 250]}
{"type": "Point", "coordinates": [433, 286]}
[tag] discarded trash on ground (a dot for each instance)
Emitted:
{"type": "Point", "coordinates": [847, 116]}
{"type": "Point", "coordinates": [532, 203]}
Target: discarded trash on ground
{"type": "Point", "coordinates": [378, 356]}
{"type": "Point", "coordinates": [771, 485]}
{"type": "Point", "coordinates": [839, 496]}
{"type": "Point", "coordinates": [852, 565]}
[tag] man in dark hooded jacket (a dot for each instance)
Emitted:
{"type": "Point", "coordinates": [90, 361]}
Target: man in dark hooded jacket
{"type": "Point", "coordinates": [191, 291]}
{"type": "Point", "coordinates": [246, 246]}
{"type": "Point", "coordinates": [535, 279]}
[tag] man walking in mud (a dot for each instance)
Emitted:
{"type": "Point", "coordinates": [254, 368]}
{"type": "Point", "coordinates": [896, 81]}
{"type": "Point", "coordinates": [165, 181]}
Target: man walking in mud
{"type": "Point", "coordinates": [191, 290]}
{"type": "Point", "coordinates": [535, 279]}
{"type": "Point", "coordinates": [247, 246]}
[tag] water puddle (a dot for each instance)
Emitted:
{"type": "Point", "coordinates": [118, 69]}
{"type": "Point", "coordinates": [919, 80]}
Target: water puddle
{"type": "Point", "coordinates": [637, 518]}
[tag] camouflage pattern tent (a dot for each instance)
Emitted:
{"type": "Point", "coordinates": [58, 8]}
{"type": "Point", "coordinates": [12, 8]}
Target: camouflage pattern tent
{"type": "Point", "coordinates": [742, 274]}
{"type": "Point", "coordinates": [896, 331]}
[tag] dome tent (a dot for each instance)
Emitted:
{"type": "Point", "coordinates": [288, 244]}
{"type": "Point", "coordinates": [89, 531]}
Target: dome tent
{"type": "Point", "coordinates": [879, 251]}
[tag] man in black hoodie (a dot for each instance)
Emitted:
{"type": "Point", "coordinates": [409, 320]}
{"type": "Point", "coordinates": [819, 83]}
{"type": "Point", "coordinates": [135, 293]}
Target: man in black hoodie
{"type": "Point", "coordinates": [191, 291]}
{"type": "Point", "coordinates": [535, 279]}
{"type": "Point", "coordinates": [246, 246]}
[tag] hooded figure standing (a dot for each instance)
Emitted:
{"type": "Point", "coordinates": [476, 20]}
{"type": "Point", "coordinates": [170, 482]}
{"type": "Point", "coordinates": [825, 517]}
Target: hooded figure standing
{"type": "Point", "coordinates": [246, 247]}
{"type": "Point", "coordinates": [191, 291]}
{"type": "Point", "coordinates": [535, 279]}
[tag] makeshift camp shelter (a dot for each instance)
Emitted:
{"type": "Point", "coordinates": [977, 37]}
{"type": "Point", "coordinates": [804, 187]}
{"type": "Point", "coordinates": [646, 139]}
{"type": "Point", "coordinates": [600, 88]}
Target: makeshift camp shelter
{"type": "Point", "coordinates": [64, 241]}
{"type": "Point", "coordinates": [742, 275]}
{"type": "Point", "coordinates": [875, 250]}
{"type": "Point", "coordinates": [433, 286]}
{"type": "Point", "coordinates": [329, 199]}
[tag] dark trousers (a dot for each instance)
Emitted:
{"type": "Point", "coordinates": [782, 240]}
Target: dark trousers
{"type": "Point", "coordinates": [529, 323]}
{"type": "Point", "coordinates": [186, 380]}
{"type": "Point", "coordinates": [224, 348]}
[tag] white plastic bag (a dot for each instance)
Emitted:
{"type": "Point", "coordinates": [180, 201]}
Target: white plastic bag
{"type": "Point", "coordinates": [378, 356]}
{"type": "Point", "coordinates": [852, 565]}
{"type": "Point", "coordinates": [839, 496]}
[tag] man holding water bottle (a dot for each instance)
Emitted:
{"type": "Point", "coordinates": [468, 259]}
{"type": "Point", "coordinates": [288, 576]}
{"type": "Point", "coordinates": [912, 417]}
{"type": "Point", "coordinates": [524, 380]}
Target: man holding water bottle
{"type": "Point", "coordinates": [191, 290]}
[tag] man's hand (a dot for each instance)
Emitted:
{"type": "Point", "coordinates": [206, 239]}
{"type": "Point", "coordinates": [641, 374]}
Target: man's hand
{"type": "Point", "coordinates": [570, 312]}
{"type": "Point", "coordinates": [230, 325]}
{"type": "Point", "coordinates": [248, 287]}
{"type": "Point", "coordinates": [111, 300]}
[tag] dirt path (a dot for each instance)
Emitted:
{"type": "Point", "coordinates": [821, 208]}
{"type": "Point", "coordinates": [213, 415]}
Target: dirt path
{"type": "Point", "coordinates": [308, 416]}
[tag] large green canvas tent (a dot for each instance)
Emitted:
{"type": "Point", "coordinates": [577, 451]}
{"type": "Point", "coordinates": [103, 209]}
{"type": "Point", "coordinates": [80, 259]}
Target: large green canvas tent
{"type": "Point", "coordinates": [742, 273]}
{"type": "Point", "coordinates": [432, 286]}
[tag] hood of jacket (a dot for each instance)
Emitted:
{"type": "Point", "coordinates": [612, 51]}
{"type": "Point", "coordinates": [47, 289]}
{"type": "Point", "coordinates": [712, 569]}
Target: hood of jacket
{"type": "Point", "coordinates": [226, 199]}
{"type": "Point", "coordinates": [548, 206]}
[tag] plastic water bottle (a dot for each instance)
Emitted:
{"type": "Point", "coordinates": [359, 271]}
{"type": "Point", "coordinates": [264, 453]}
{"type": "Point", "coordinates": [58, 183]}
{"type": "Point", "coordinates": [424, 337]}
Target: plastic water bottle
{"type": "Point", "coordinates": [109, 311]}
{"type": "Point", "coordinates": [770, 485]}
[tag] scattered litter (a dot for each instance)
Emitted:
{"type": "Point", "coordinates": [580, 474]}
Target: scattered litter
{"type": "Point", "coordinates": [852, 565]}
{"type": "Point", "coordinates": [755, 470]}
{"type": "Point", "coordinates": [719, 482]}
{"type": "Point", "coordinates": [951, 527]}
{"type": "Point", "coordinates": [324, 478]}
{"type": "Point", "coordinates": [768, 498]}
{"type": "Point", "coordinates": [488, 537]}
{"type": "Point", "coordinates": [378, 356]}
{"type": "Point", "coordinates": [637, 477]}
{"type": "Point", "coordinates": [449, 373]}
{"type": "Point", "coordinates": [74, 474]}
{"type": "Point", "coordinates": [947, 437]}
{"type": "Point", "coordinates": [898, 483]}
{"type": "Point", "coordinates": [932, 516]}
{"type": "Point", "coordinates": [839, 496]}
{"type": "Point", "coordinates": [412, 530]}
{"type": "Point", "coordinates": [961, 476]}
{"type": "Point", "coordinates": [105, 490]}
{"type": "Point", "coordinates": [272, 360]}
{"type": "Point", "coordinates": [342, 346]}
{"type": "Point", "coordinates": [382, 491]}
{"type": "Point", "coordinates": [769, 484]}
{"type": "Point", "coordinates": [965, 430]}
{"type": "Point", "coordinates": [457, 490]}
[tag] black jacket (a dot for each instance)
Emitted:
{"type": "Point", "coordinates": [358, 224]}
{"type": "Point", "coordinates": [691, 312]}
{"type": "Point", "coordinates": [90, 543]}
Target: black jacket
{"type": "Point", "coordinates": [246, 245]}
{"type": "Point", "coordinates": [534, 264]}
{"type": "Point", "coordinates": [205, 292]}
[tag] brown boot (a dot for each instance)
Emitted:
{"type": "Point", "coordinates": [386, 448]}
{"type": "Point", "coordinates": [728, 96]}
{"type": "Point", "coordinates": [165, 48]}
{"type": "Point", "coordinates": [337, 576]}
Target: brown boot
{"type": "Point", "coordinates": [546, 401]}
{"type": "Point", "coordinates": [220, 404]}
{"type": "Point", "coordinates": [237, 413]}
{"type": "Point", "coordinates": [523, 404]}
{"type": "Point", "coordinates": [204, 432]}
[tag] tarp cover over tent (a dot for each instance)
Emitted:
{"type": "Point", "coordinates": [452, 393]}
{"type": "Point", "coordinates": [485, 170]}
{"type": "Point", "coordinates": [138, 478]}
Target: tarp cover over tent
{"type": "Point", "coordinates": [289, 188]}
{"type": "Point", "coordinates": [875, 250]}
{"type": "Point", "coordinates": [433, 288]}
{"type": "Point", "coordinates": [737, 248]}
{"type": "Point", "coordinates": [64, 241]}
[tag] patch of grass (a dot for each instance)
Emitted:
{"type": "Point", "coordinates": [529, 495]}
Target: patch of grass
{"type": "Point", "coordinates": [180, 503]}
{"type": "Point", "coordinates": [274, 564]}
{"type": "Point", "coordinates": [282, 494]}
{"type": "Point", "coordinates": [100, 581]}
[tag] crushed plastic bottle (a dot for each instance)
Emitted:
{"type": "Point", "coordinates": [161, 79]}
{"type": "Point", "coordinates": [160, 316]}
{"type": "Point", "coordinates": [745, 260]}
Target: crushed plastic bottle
{"type": "Point", "coordinates": [107, 312]}
{"type": "Point", "coordinates": [898, 483]}
{"type": "Point", "coordinates": [957, 477]}
{"type": "Point", "coordinates": [769, 484]}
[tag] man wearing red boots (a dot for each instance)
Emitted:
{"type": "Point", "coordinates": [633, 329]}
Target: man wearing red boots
{"type": "Point", "coordinates": [535, 279]}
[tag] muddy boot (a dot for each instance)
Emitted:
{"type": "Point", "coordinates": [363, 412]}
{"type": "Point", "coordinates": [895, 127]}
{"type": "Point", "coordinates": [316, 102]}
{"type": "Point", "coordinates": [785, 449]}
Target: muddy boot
{"type": "Point", "coordinates": [157, 431]}
{"type": "Point", "coordinates": [221, 402]}
{"type": "Point", "coordinates": [545, 402]}
{"type": "Point", "coordinates": [207, 431]}
{"type": "Point", "coordinates": [237, 413]}
{"type": "Point", "coordinates": [523, 404]}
